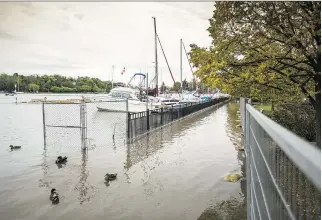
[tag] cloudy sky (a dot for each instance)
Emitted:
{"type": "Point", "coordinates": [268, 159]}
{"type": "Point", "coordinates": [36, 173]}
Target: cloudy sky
{"type": "Point", "coordinates": [87, 39]}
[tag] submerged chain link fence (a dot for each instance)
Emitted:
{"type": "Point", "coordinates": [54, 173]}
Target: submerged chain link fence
{"type": "Point", "coordinates": [64, 124]}
{"type": "Point", "coordinates": [283, 170]}
{"type": "Point", "coordinates": [143, 122]}
{"type": "Point", "coordinates": [86, 124]}
{"type": "Point", "coordinates": [106, 123]}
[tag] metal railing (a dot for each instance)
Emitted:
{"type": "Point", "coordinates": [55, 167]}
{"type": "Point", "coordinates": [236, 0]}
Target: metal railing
{"type": "Point", "coordinates": [143, 122]}
{"type": "Point", "coordinates": [283, 170]}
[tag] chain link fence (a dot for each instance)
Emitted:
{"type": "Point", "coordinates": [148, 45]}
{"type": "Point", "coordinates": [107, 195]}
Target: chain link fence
{"type": "Point", "coordinates": [86, 124]}
{"type": "Point", "coordinates": [106, 123]}
{"type": "Point", "coordinates": [283, 170]}
{"type": "Point", "coordinates": [64, 124]}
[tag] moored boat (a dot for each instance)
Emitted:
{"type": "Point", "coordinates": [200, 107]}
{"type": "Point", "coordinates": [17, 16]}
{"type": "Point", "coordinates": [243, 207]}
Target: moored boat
{"type": "Point", "coordinates": [115, 101]}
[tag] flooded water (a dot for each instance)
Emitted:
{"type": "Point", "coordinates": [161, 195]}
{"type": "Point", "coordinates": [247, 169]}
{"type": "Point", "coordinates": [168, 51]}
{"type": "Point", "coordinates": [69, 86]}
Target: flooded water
{"type": "Point", "coordinates": [176, 173]}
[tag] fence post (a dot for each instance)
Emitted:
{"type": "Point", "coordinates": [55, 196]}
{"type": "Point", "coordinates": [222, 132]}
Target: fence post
{"type": "Point", "coordinates": [44, 122]}
{"type": "Point", "coordinates": [83, 123]}
{"type": "Point", "coordinates": [161, 116]}
{"type": "Point", "coordinates": [128, 118]}
{"type": "Point", "coordinates": [128, 127]}
{"type": "Point", "coordinates": [242, 103]}
{"type": "Point", "coordinates": [171, 112]}
{"type": "Point", "coordinates": [182, 110]}
{"type": "Point", "coordinates": [246, 123]}
{"type": "Point", "coordinates": [147, 120]}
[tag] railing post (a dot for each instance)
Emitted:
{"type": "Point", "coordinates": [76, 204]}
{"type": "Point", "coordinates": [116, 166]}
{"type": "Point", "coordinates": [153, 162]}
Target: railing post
{"type": "Point", "coordinates": [128, 126]}
{"type": "Point", "coordinates": [161, 116]}
{"type": "Point", "coordinates": [128, 118]}
{"type": "Point", "coordinates": [147, 120]}
{"type": "Point", "coordinates": [171, 112]}
{"type": "Point", "coordinates": [248, 160]}
{"type": "Point", "coordinates": [242, 103]}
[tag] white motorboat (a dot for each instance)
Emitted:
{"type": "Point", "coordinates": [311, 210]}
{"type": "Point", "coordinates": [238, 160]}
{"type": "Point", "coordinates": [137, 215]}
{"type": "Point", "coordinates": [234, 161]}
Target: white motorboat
{"type": "Point", "coordinates": [189, 97]}
{"type": "Point", "coordinates": [164, 102]}
{"type": "Point", "coordinates": [115, 101]}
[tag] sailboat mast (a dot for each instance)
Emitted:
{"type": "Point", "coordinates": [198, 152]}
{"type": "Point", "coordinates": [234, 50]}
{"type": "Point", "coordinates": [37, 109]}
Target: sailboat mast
{"type": "Point", "coordinates": [194, 77]}
{"type": "Point", "coordinates": [156, 56]}
{"type": "Point", "coordinates": [181, 66]}
{"type": "Point", "coordinates": [112, 75]}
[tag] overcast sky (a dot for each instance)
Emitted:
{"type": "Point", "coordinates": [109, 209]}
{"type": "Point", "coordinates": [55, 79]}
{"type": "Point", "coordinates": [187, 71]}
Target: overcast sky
{"type": "Point", "coordinates": [86, 39]}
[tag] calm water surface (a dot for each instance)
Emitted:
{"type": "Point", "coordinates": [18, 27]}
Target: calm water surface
{"type": "Point", "coordinates": [176, 173]}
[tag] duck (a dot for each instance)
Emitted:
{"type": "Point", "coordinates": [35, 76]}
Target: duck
{"type": "Point", "coordinates": [109, 177]}
{"type": "Point", "coordinates": [107, 183]}
{"type": "Point", "coordinates": [61, 159]}
{"type": "Point", "coordinates": [14, 147]}
{"type": "Point", "coordinates": [54, 197]}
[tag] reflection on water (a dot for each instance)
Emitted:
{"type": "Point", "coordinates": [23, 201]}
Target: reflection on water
{"type": "Point", "coordinates": [81, 187]}
{"type": "Point", "coordinates": [175, 173]}
{"type": "Point", "coordinates": [147, 146]}
{"type": "Point", "coordinates": [235, 207]}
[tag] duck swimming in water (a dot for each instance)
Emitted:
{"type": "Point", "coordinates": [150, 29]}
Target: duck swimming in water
{"type": "Point", "coordinates": [54, 197]}
{"type": "Point", "coordinates": [61, 159]}
{"type": "Point", "coordinates": [110, 177]}
{"type": "Point", "coordinates": [14, 147]}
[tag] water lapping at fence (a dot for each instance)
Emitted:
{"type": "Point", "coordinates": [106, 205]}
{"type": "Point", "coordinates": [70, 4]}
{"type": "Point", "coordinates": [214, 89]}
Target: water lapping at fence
{"type": "Point", "coordinates": [283, 170]}
{"type": "Point", "coordinates": [107, 123]}
{"type": "Point", "coordinates": [141, 123]}
{"type": "Point", "coordinates": [64, 124]}
{"type": "Point", "coordinates": [82, 124]}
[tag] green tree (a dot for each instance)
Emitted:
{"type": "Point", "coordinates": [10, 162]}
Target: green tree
{"type": "Point", "coordinates": [7, 83]}
{"type": "Point", "coordinates": [184, 84]}
{"type": "Point", "coordinates": [163, 87]}
{"type": "Point", "coordinates": [264, 48]}
{"type": "Point", "coordinates": [191, 86]}
{"type": "Point", "coordinates": [33, 87]}
{"type": "Point", "coordinates": [176, 86]}
{"type": "Point", "coordinates": [108, 86]}
{"type": "Point", "coordinates": [53, 83]}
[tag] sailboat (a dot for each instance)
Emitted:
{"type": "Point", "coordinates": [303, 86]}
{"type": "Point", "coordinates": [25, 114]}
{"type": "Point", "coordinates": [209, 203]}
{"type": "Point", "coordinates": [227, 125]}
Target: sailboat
{"type": "Point", "coordinates": [115, 100]}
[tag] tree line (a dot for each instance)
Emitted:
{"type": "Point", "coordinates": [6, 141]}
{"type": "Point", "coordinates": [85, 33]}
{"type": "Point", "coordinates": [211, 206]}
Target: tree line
{"type": "Point", "coordinates": [62, 84]}
{"type": "Point", "coordinates": [52, 83]}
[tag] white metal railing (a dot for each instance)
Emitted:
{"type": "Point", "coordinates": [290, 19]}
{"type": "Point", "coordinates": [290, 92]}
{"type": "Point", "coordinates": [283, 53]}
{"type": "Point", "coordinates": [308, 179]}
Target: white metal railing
{"type": "Point", "coordinates": [283, 170]}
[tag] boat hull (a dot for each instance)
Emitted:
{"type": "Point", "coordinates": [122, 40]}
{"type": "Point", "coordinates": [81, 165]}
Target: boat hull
{"type": "Point", "coordinates": [120, 106]}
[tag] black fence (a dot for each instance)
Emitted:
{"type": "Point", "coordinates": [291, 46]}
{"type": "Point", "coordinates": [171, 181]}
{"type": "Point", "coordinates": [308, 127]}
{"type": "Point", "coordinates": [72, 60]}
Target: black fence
{"type": "Point", "coordinates": [142, 122]}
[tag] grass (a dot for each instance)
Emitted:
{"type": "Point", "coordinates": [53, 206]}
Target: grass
{"type": "Point", "coordinates": [267, 107]}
